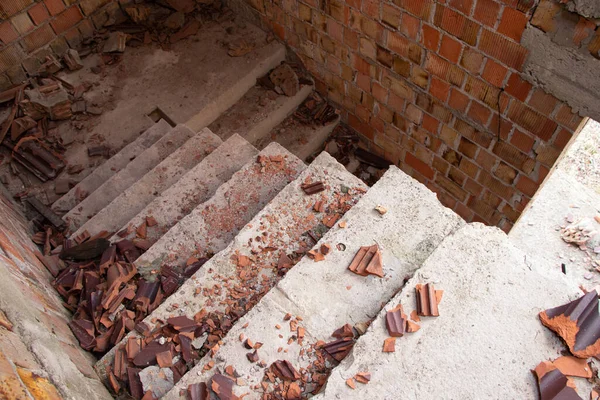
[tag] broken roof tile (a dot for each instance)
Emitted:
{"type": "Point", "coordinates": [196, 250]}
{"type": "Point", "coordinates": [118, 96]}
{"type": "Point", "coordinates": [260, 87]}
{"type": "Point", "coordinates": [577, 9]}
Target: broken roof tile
{"type": "Point", "coordinates": [577, 323]}
{"type": "Point", "coordinates": [252, 356]}
{"type": "Point", "coordinates": [198, 391]}
{"type": "Point", "coordinates": [222, 385]}
{"type": "Point", "coordinates": [573, 366]}
{"type": "Point", "coordinates": [389, 345]}
{"type": "Point", "coordinates": [350, 383]}
{"type": "Point", "coordinates": [312, 188]}
{"type": "Point", "coordinates": [338, 349]}
{"type": "Point", "coordinates": [363, 377]}
{"type": "Point", "coordinates": [427, 304]}
{"type": "Point", "coordinates": [284, 370]}
{"type": "Point", "coordinates": [395, 323]}
{"type": "Point", "coordinates": [553, 384]}
{"type": "Point", "coordinates": [411, 327]}
{"type": "Point", "coordinates": [343, 332]}
{"type": "Point", "coordinates": [367, 261]}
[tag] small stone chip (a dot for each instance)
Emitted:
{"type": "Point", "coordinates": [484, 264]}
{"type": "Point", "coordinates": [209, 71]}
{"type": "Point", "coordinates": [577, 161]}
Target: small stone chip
{"type": "Point", "coordinates": [381, 209]}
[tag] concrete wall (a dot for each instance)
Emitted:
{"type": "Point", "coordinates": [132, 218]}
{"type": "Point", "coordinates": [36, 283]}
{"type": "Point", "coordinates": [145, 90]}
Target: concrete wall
{"type": "Point", "coordinates": [39, 356]}
{"type": "Point", "coordinates": [30, 30]}
{"type": "Point", "coordinates": [462, 94]}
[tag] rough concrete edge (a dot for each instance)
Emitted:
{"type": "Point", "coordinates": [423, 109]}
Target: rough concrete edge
{"type": "Point", "coordinates": [171, 191]}
{"type": "Point", "coordinates": [67, 197]}
{"type": "Point", "coordinates": [229, 97]}
{"type": "Point", "coordinates": [172, 161]}
{"type": "Point", "coordinates": [46, 349]}
{"type": "Point", "coordinates": [277, 116]}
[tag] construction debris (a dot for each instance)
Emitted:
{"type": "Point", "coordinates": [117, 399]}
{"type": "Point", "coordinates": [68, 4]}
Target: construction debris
{"type": "Point", "coordinates": [72, 60]}
{"type": "Point", "coordinates": [573, 366]}
{"type": "Point", "coordinates": [115, 43]}
{"type": "Point", "coordinates": [367, 261]}
{"type": "Point", "coordinates": [313, 188]}
{"type": "Point", "coordinates": [553, 384]}
{"type": "Point", "coordinates": [577, 323]}
{"type": "Point", "coordinates": [395, 322]}
{"type": "Point", "coordinates": [315, 111]}
{"type": "Point", "coordinates": [240, 47]}
{"type": "Point", "coordinates": [427, 300]}
{"type": "Point", "coordinates": [389, 345]}
{"type": "Point", "coordinates": [363, 377]}
{"type": "Point", "coordinates": [285, 80]}
{"type": "Point", "coordinates": [381, 209]}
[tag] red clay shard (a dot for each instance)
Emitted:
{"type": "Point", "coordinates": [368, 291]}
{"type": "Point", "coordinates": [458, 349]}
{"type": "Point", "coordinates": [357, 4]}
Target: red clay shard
{"type": "Point", "coordinates": [395, 323]}
{"type": "Point", "coordinates": [553, 384]}
{"type": "Point", "coordinates": [367, 261]}
{"type": "Point", "coordinates": [577, 323]}
{"type": "Point", "coordinates": [427, 303]}
{"type": "Point", "coordinates": [284, 370]}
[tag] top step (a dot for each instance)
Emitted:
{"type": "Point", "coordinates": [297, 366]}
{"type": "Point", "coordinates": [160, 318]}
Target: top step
{"type": "Point", "coordinates": [486, 340]}
{"type": "Point", "coordinates": [118, 183]}
{"type": "Point", "coordinates": [148, 187]}
{"type": "Point", "coordinates": [110, 167]}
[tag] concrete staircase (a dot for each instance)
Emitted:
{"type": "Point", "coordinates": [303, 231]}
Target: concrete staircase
{"type": "Point", "coordinates": [240, 201]}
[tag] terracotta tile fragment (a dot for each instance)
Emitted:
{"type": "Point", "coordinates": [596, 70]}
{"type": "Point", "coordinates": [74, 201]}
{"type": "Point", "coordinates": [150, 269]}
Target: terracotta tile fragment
{"type": "Point", "coordinates": [330, 220]}
{"type": "Point", "coordinates": [319, 206]}
{"type": "Point", "coordinates": [312, 188]}
{"type": "Point", "coordinates": [151, 221]}
{"type": "Point", "coordinates": [339, 349]}
{"type": "Point", "coordinates": [363, 377]}
{"type": "Point", "coordinates": [142, 230]}
{"type": "Point", "coordinates": [367, 261]}
{"type": "Point", "coordinates": [427, 304]}
{"type": "Point", "coordinates": [395, 323]}
{"type": "Point", "coordinates": [389, 345]}
{"type": "Point", "coordinates": [164, 359]}
{"type": "Point", "coordinates": [284, 370]}
{"type": "Point", "coordinates": [414, 316]}
{"type": "Point", "coordinates": [350, 383]}
{"type": "Point", "coordinates": [342, 224]}
{"type": "Point", "coordinates": [325, 249]}
{"type": "Point", "coordinates": [577, 323]}
{"type": "Point", "coordinates": [343, 332]}
{"type": "Point", "coordinates": [252, 356]}
{"type": "Point", "coordinates": [573, 366]}
{"type": "Point", "coordinates": [5, 322]}
{"type": "Point", "coordinates": [411, 327]}
{"type": "Point", "coordinates": [294, 392]}
{"type": "Point", "coordinates": [222, 385]}
{"type": "Point", "coordinates": [553, 384]}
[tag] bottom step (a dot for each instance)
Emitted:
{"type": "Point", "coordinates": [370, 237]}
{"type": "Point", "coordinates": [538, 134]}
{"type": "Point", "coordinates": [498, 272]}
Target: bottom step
{"type": "Point", "coordinates": [486, 340]}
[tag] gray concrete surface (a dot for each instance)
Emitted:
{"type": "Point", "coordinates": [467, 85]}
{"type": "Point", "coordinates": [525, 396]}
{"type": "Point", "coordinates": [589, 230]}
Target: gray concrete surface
{"type": "Point", "coordinates": [119, 182]}
{"type": "Point", "coordinates": [111, 166]}
{"type": "Point", "coordinates": [256, 114]}
{"type": "Point", "coordinates": [485, 341]}
{"type": "Point", "coordinates": [211, 226]}
{"type": "Point", "coordinates": [286, 218]}
{"type": "Point", "coordinates": [587, 8]}
{"type": "Point", "coordinates": [537, 232]}
{"type": "Point", "coordinates": [326, 295]}
{"type": "Point", "coordinates": [194, 188]}
{"type": "Point", "coordinates": [130, 202]}
{"type": "Point", "coordinates": [300, 139]}
{"type": "Point", "coordinates": [561, 71]}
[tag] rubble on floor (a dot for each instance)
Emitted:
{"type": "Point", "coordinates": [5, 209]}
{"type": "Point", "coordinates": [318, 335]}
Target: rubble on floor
{"type": "Point", "coordinates": [344, 144]}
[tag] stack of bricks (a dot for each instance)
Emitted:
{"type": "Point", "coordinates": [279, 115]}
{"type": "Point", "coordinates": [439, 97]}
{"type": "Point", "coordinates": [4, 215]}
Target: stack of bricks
{"type": "Point", "coordinates": [31, 30]}
{"type": "Point", "coordinates": [436, 87]}
{"type": "Point", "coordinates": [33, 321]}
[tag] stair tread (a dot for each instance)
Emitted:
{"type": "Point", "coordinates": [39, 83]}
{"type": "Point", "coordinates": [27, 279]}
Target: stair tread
{"type": "Point", "coordinates": [256, 114]}
{"type": "Point", "coordinates": [414, 225]}
{"type": "Point", "coordinates": [287, 218]}
{"type": "Point", "coordinates": [212, 225]}
{"type": "Point", "coordinates": [152, 184]}
{"type": "Point", "coordinates": [194, 188]}
{"type": "Point", "coordinates": [490, 303]}
{"type": "Point", "coordinates": [302, 140]}
{"type": "Point", "coordinates": [134, 170]}
{"type": "Point", "coordinates": [111, 166]}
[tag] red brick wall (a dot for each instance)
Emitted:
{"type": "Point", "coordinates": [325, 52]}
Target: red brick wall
{"type": "Point", "coordinates": [437, 88]}
{"type": "Point", "coordinates": [30, 30]}
{"type": "Point", "coordinates": [31, 312]}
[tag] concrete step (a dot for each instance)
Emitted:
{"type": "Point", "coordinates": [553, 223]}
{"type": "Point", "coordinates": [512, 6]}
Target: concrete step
{"type": "Point", "coordinates": [256, 114]}
{"type": "Point", "coordinates": [488, 324]}
{"type": "Point", "coordinates": [326, 295]}
{"type": "Point", "coordinates": [283, 224]}
{"type": "Point", "coordinates": [300, 139]}
{"type": "Point", "coordinates": [194, 188]}
{"type": "Point", "coordinates": [111, 166]}
{"type": "Point", "coordinates": [210, 227]}
{"type": "Point", "coordinates": [130, 202]}
{"type": "Point", "coordinates": [134, 170]}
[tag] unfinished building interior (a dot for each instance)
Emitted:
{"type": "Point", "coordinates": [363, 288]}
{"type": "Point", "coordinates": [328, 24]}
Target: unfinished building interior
{"type": "Point", "coordinates": [288, 199]}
